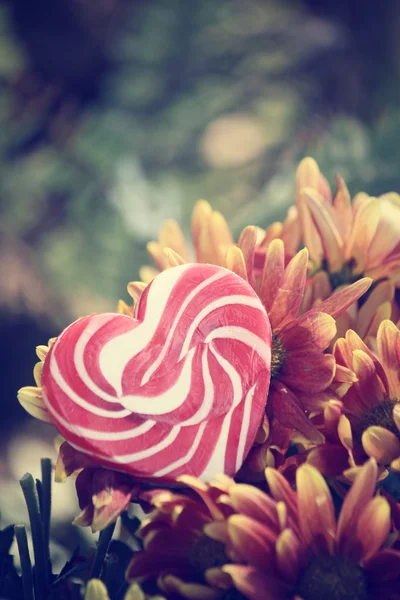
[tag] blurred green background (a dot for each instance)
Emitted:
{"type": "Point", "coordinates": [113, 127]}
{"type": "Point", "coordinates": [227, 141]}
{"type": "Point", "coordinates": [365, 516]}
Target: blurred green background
{"type": "Point", "coordinates": [118, 114]}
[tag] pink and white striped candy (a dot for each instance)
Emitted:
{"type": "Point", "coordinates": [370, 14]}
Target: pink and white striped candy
{"type": "Point", "coordinates": [181, 388]}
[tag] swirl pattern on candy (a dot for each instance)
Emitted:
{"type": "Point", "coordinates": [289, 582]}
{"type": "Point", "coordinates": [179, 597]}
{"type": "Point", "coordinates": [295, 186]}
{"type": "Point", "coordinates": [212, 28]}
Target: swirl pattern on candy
{"type": "Point", "coordinates": [180, 388]}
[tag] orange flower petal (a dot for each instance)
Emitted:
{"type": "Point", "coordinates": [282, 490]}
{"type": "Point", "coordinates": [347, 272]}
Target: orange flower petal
{"type": "Point", "coordinates": [273, 273]}
{"type": "Point", "coordinates": [235, 262]}
{"type": "Point", "coordinates": [135, 289]}
{"type": "Point", "coordinates": [366, 219]}
{"type": "Point", "coordinates": [288, 555]}
{"type": "Point", "coordinates": [289, 295]}
{"type": "Point", "coordinates": [272, 232]}
{"type": "Point", "coordinates": [247, 243]}
{"type": "Point", "coordinates": [220, 237]}
{"type": "Point", "coordinates": [281, 491]}
{"type": "Point", "coordinates": [147, 273]}
{"type": "Point", "coordinates": [325, 221]}
{"type": "Point", "coordinates": [171, 236]}
{"type": "Point", "coordinates": [287, 410]}
{"type": "Point", "coordinates": [340, 301]}
{"type": "Point", "coordinates": [124, 309]}
{"type": "Point", "coordinates": [201, 212]}
{"type": "Point", "coordinates": [388, 341]}
{"type": "Point", "coordinates": [382, 293]}
{"type": "Point", "coordinates": [192, 591]}
{"type": "Point", "coordinates": [381, 444]}
{"type": "Point", "coordinates": [254, 541]}
{"type": "Point", "coordinates": [307, 372]}
{"type": "Point", "coordinates": [373, 527]}
{"type": "Point", "coordinates": [174, 259]}
{"type": "Point", "coordinates": [387, 236]}
{"type": "Point", "coordinates": [316, 511]}
{"type": "Point", "coordinates": [317, 288]}
{"type": "Point", "coordinates": [342, 206]}
{"type": "Point", "coordinates": [254, 585]}
{"type": "Point", "coordinates": [308, 175]}
{"type": "Point", "coordinates": [252, 502]}
{"type": "Point", "coordinates": [156, 252]}
{"type": "Point", "coordinates": [369, 389]}
{"type": "Point", "coordinates": [396, 415]}
{"type": "Point", "coordinates": [308, 332]}
{"type": "Point", "coordinates": [359, 494]}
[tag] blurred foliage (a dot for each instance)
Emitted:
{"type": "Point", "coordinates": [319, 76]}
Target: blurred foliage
{"type": "Point", "coordinates": [201, 99]}
{"type": "Point", "coordinates": [198, 101]}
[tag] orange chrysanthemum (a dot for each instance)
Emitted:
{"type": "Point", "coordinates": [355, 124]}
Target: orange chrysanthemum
{"type": "Point", "coordinates": [183, 552]}
{"type": "Point", "coordinates": [211, 240]}
{"type": "Point", "coordinates": [366, 421]}
{"type": "Point", "coordinates": [299, 365]}
{"type": "Point", "coordinates": [239, 542]}
{"type": "Point", "coordinates": [316, 556]}
{"type": "Point", "coordinates": [346, 239]}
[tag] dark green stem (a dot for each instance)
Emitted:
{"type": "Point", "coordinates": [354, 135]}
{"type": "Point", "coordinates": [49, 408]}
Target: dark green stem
{"type": "Point", "coordinates": [26, 566]}
{"type": "Point", "coordinates": [102, 547]}
{"type": "Point", "coordinates": [46, 501]}
{"type": "Point", "coordinates": [39, 549]}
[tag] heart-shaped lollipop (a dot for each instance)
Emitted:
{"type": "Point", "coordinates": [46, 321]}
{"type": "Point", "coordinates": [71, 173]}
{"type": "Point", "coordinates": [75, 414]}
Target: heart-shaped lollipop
{"type": "Point", "coordinates": [180, 388]}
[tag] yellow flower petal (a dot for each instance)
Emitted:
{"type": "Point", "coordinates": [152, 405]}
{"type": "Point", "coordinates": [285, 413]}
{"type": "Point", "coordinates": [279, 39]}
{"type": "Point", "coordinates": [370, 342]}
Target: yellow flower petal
{"type": "Point", "coordinates": [135, 289]}
{"type": "Point", "coordinates": [37, 373]}
{"type": "Point", "coordinates": [96, 590]}
{"type": "Point", "coordinates": [147, 273]}
{"type": "Point", "coordinates": [174, 259]}
{"type": "Point", "coordinates": [235, 262]}
{"type": "Point", "coordinates": [171, 236]}
{"type": "Point", "coordinates": [30, 399]}
{"type": "Point", "coordinates": [41, 352]}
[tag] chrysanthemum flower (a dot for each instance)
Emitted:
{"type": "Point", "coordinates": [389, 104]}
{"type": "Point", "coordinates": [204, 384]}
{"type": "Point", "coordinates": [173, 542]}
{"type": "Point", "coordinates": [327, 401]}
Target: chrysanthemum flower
{"type": "Point", "coordinates": [182, 553]}
{"type": "Point", "coordinates": [279, 276]}
{"type": "Point", "coordinates": [366, 421]}
{"type": "Point", "coordinates": [299, 365]}
{"type": "Point", "coordinates": [316, 556]}
{"type": "Point", "coordinates": [211, 239]}
{"type": "Point", "coordinates": [347, 239]}
{"type": "Point", "coordinates": [281, 546]}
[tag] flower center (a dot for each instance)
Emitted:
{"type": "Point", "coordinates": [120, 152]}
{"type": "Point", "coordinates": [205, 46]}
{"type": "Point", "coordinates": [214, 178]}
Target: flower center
{"type": "Point", "coordinates": [380, 414]}
{"type": "Point", "coordinates": [278, 355]}
{"type": "Point", "coordinates": [206, 553]}
{"type": "Point", "coordinates": [332, 578]}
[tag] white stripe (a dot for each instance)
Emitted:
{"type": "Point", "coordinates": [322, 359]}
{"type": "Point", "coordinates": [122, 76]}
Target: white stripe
{"type": "Point", "coordinates": [216, 463]}
{"type": "Point", "coordinates": [235, 299]}
{"type": "Point", "coordinates": [73, 396]}
{"type": "Point", "coordinates": [103, 436]}
{"type": "Point", "coordinates": [116, 353]}
{"type": "Point", "coordinates": [209, 392]}
{"type": "Point", "coordinates": [169, 400]}
{"type": "Point", "coordinates": [135, 456]}
{"type": "Point", "coordinates": [90, 330]}
{"type": "Point", "coordinates": [241, 334]}
{"type": "Point", "coordinates": [174, 325]}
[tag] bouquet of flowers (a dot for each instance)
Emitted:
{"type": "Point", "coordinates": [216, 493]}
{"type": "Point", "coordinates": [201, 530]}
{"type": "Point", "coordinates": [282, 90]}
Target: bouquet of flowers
{"type": "Point", "coordinates": [241, 420]}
